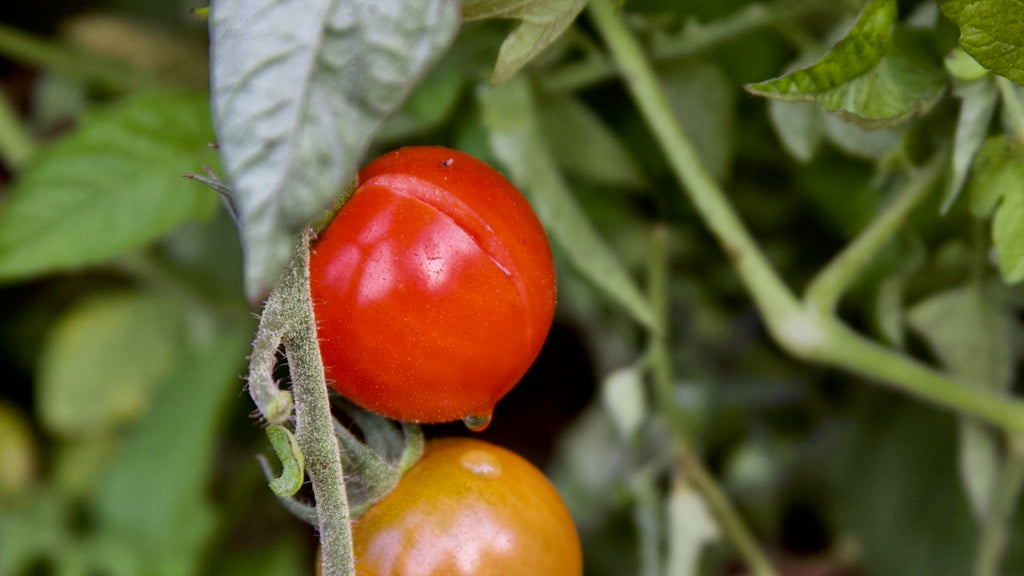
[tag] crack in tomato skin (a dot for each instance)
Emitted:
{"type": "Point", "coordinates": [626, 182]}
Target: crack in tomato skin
{"type": "Point", "coordinates": [433, 288]}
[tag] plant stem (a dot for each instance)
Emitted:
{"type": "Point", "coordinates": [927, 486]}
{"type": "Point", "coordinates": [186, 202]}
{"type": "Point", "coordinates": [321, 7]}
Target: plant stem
{"type": "Point", "coordinates": [695, 39]}
{"type": "Point", "coordinates": [103, 73]}
{"type": "Point", "coordinates": [273, 403]}
{"type": "Point", "coordinates": [703, 482]}
{"type": "Point", "coordinates": [995, 530]}
{"type": "Point", "coordinates": [841, 346]}
{"type": "Point", "coordinates": [827, 287]}
{"type": "Point", "coordinates": [802, 331]}
{"type": "Point", "coordinates": [314, 429]}
{"type": "Point", "coordinates": [773, 297]}
{"type": "Point", "coordinates": [17, 144]}
{"type": "Point", "coordinates": [658, 353]}
{"type": "Point", "coordinates": [729, 521]}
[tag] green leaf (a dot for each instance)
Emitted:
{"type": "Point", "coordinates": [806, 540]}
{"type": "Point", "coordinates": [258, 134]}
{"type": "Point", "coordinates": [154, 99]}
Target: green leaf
{"type": "Point", "coordinates": [997, 170]}
{"type": "Point", "coordinates": [904, 85]}
{"type": "Point", "coordinates": [154, 497]}
{"type": "Point", "coordinates": [997, 182]}
{"type": "Point", "coordinates": [978, 100]}
{"type": "Point", "coordinates": [584, 145]}
{"type": "Point", "coordinates": [854, 56]}
{"type": "Point", "coordinates": [102, 361]}
{"type": "Point", "coordinates": [980, 463]}
{"type": "Point", "coordinates": [961, 66]}
{"type": "Point", "coordinates": [111, 186]}
{"type": "Point", "coordinates": [991, 31]}
{"type": "Point", "coordinates": [970, 333]}
{"type": "Point", "coordinates": [299, 91]}
{"type": "Point", "coordinates": [874, 77]}
{"type": "Point", "coordinates": [541, 23]}
{"type": "Point", "coordinates": [1008, 235]}
{"type": "Point", "coordinates": [703, 101]}
{"type": "Point", "coordinates": [509, 116]}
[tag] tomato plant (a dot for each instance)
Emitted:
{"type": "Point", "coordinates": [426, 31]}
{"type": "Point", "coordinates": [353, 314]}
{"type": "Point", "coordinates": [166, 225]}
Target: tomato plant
{"type": "Point", "coordinates": [469, 507]}
{"type": "Point", "coordinates": [433, 287]}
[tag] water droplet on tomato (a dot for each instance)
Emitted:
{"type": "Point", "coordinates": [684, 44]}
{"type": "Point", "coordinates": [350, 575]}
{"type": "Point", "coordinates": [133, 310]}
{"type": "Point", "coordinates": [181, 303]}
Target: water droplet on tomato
{"type": "Point", "coordinates": [477, 423]}
{"type": "Point", "coordinates": [481, 464]}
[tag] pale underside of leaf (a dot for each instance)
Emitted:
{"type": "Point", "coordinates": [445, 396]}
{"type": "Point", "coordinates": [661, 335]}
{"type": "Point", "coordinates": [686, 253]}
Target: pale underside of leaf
{"type": "Point", "coordinates": [971, 335]}
{"type": "Point", "coordinates": [978, 101]}
{"type": "Point", "coordinates": [541, 23]}
{"type": "Point", "coordinates": [896, 90]}
{"type": "Point", "coordinates": [300, 89]}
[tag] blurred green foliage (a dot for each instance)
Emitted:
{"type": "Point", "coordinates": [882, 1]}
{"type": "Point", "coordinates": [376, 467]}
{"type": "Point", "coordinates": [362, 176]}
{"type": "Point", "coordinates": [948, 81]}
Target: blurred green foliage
{"type": "Point", "coordinates": [126, 445]}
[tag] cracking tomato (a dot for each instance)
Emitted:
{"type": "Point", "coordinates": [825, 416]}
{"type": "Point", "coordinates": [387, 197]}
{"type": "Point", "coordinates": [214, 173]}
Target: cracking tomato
{"type": "Point", "coordinates": [468, 507]}
{"type": "Point", "coordinates": [433, 288]}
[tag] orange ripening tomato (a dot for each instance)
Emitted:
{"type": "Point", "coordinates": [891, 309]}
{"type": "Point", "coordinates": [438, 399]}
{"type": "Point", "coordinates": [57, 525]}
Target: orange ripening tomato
{"type": "Point", "coordinates": [433, 287]}
{"type": "Point", "coordinates": [468, 508]}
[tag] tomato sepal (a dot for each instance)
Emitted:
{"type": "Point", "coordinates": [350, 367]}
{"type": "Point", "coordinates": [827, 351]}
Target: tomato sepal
{"type": "Point", "coordinates": [375, 464]}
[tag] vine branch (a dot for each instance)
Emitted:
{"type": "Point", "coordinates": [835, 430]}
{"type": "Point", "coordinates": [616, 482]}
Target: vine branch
{"type": "Point", "coordinates": [694, 471]}
{"type": "Point", "coordinates": [288, 319]}
{"type": "Point", "coordinates": [801, 330]}
{"type": "Point", "coordinates": [827, 287]}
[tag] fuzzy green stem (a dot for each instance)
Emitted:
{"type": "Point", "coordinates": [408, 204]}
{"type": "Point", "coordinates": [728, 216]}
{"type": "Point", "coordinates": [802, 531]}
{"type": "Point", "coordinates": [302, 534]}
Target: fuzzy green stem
{"type": "Point", "coordinates": [828, 286]}
{"type": "Point", "coordinates": [273, 403]}
{"type": "Point", "coordinates": [995, 530]}
{"type": "Point", "coordinates": [103, 73]}
{"type": "Point", "coordinates": [314, 429]}
{"type": "Point", "coordinates": [17, 144]}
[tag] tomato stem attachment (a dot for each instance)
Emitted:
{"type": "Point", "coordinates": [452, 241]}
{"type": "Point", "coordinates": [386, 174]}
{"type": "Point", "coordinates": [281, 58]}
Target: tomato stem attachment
{"type": "Point", "coordinates": [288, 319]}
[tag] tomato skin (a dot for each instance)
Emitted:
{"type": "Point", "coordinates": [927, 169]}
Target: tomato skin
{"type": "Point", "coordinates": [433, 288]}
{"type": "Point", "coordinates": [468, 508]}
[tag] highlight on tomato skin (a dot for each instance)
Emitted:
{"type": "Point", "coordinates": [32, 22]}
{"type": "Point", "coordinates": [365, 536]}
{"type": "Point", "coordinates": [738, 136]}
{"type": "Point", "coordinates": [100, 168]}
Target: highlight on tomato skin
{"type": "Point", "coordinates": [433, 288]}
{"type": "Point", "coordinates": [468, 507]}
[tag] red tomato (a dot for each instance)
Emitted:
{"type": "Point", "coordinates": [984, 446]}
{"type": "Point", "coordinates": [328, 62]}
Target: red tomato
{"type": "Point", "coordinates": [433, 287]}
{"type": "Point", "coordinates": [468, 507]}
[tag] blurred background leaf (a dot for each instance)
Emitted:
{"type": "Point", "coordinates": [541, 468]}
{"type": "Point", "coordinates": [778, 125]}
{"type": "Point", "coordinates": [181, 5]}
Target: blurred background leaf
{"type": "Point", "coordinates": [113, 185]}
